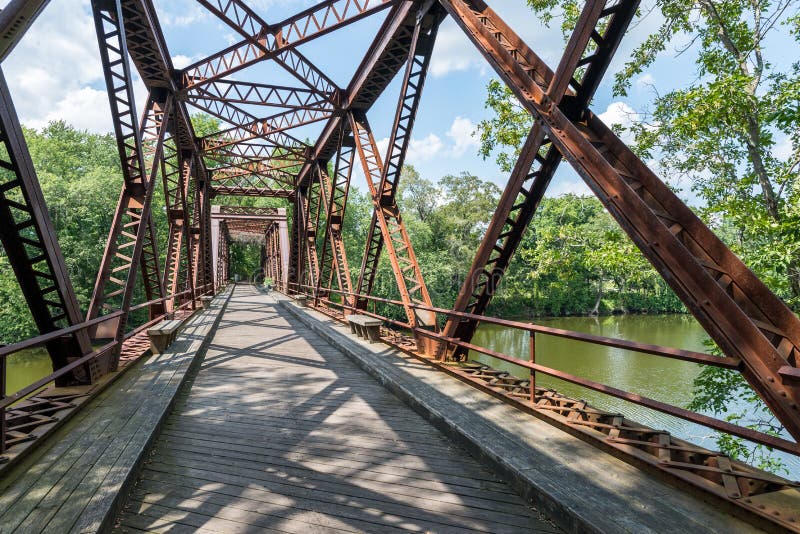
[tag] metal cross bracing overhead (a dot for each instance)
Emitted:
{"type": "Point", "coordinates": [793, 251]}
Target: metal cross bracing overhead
{"type": "Point", "coordinates": [265, 226]}
{"type": "Point", "coordinates": [259, 152]}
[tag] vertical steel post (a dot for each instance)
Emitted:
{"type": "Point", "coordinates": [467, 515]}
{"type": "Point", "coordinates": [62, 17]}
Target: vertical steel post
{"type": "Point", "coordinates": [30, 242]}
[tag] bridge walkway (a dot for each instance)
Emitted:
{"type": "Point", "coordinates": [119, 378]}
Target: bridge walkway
{"type": "Point", "coordinates": [280, 432]}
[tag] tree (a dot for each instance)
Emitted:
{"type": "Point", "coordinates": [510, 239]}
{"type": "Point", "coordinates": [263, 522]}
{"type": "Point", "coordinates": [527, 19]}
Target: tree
{"type": "Point", "coordinates": [80, 179]}
{"type": "Point", "coordinates": [731, 133]}
{"type": "Point", "coordinates": [417, 195]}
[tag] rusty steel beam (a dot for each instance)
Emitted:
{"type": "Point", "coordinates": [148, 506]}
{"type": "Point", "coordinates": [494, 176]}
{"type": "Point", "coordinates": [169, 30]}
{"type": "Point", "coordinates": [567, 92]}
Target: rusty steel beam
{"type": "Point", "coordinates": [745, 319]}
{"type": "Point", "coordinates": [177, 170]}
{"type": "Point", "coordinates": [259, 94]}
{"type": "Point", "coordinates": [240, 176]}
{"type": "Point", "coordinates": [130, 228]}
{"type": "Point", "coordinates": [29, 240]}
{"type": "Point", "coordinates": [229, 168]}
{"type": "Point", "coordinates": [261, 176]}
{"type": "Point", "coordinates": [263, 149]}
{"type": "Point", "coordinates": [132, 237]}
{"type": "Point", "coordinates": [222, 259]}
{"type": "Point", "coordinates": [288, 58]}
{"type": "Point", "coordinates": [419, 56]}
{"type": "Point", "coordinates": [588, 54]}
{"type": "Point", "coordinates": [237, 14]}
{"type": "Point", "coordinates": [15, 20]}
{"type": "Point", "coordinates": [333, 258]}
{"type": "Point", "coordinates": [386, 56]}
{"type": "Point", "coordinates": [201, 233]}
{"type": "Point", "coordinates": [307, 212]}
{"type": "Point", "coordinates": [405, 266]}
{"type": "Point", "coordinates": [294, 274]}
{"type": "Point", "coordinates": [272, 127]}
{"type": "Point", "coordinates": [247, 191]}
{"type": "Point", "coordinates": [278, 41]}
{"type": "Point", "coordinates": [113, 43]}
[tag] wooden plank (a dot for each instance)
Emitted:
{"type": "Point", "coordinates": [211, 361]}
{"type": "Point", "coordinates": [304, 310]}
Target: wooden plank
{"type": "Point", "coordinates": [280, 431]}
{"type": "Point", "coordinates": [432, 517]}
{"type": "Point", "coordinates": [583, 488]}
{"type": "Point", "coordinates": [336, 450]}
{"type": "Point", "coordinates": [252, 512]}
{"type": "Point", "coordinates": [332, 459]}
{"type": "Point", "coordinates": [397, 486]}
{"type": "Point", "coordinates": [405, 518]}
{"type": "Point", "coordinates": [74, 483]}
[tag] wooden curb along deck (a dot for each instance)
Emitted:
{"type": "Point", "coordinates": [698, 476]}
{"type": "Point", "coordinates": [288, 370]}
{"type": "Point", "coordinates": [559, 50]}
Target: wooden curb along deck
{"type": "Point", "coordinates": [76, 480]}
{"type": "Point", "coordinates": [281, 432]}
{"type": "Point", "coordinates": [578, 486]}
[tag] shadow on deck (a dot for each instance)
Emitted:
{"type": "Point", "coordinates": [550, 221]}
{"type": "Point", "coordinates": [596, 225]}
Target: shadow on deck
{"type": "Point", "coordinates": [271, 418]}
{"type": "Point", "coordinates": [281, 432]}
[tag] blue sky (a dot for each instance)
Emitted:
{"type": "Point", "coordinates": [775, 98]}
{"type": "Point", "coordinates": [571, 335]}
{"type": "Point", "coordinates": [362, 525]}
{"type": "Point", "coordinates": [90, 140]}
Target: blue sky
{"type": "Point", "coordinates": [55, 74]}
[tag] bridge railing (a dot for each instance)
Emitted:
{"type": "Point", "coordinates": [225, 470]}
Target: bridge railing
{"type": "Point", "coordinates": [445, 346]}
{"type": "Point", "coordinates": [99, 353]}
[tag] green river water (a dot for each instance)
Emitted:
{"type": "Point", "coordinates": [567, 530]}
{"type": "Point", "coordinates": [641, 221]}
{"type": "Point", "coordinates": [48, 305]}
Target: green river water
{"type": "Point", "coordinates": [655, 377]}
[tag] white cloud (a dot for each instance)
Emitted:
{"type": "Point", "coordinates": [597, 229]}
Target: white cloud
{"type": "Point", "coordinates": [460, 138]}
{"type": "Point", "coordinates": [425, 149]}
{"type": "Point", "coordinates": [463, 134]}
{"type": "Point", "coordinates": [55, 72]}
{"type": "Point", "coordinates": [453, 51]}
{"type": "Point", "coordinates": [181, 61]}
{"type": "Point", "coordinates": [180, 13]}
{"type": "Point", "coordinates": [620, 113]}
{"type": "Point", "coordinates": [419, 150]}
{"type": "Point", "coordinates": [85, 108]}
{"type": "Point", "coordinates": [645, 81]}
{"type": "Point", "coordinates": [783, 147]}
{"type": "Point", "coordinates": [55, 69]}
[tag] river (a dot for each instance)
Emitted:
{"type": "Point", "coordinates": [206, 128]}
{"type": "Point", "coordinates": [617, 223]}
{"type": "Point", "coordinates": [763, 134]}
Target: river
{"type": "Point", "coordinates": [26, 367]}
{"type": "Point", "coordinates": [663, 379]}
{"type": "Point", "coordinates": [659, 378]}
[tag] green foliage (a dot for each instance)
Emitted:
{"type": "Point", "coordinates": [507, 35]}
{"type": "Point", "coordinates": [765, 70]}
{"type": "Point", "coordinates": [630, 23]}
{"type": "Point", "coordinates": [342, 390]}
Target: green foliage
{"type": "Point", "coordinates": [80, 178]}
{"type": "Point", "coordinates": [575, 260]}
{"type": "Point", "coordinates": [730, 133]}
{"type": "Point", "coordinates": [506, 131]}
{"type": "Point", "coordinates": [245, 260]}
{"type": "Point", "coordinates": [714, 390]}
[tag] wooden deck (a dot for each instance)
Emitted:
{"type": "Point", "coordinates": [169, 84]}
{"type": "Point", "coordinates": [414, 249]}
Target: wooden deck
{"type": "Point", "coordinates": [279, 432]}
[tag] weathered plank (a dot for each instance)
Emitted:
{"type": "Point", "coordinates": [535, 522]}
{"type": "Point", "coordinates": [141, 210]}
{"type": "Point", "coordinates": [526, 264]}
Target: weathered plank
{"type": "Point", "coordinates": [581, 487]}
{"type": "Point", "coordinates": [281, 432]}
{"type": "Point", "coordinates": [74, 483]}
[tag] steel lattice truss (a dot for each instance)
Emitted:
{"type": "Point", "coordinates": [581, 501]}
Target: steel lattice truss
{"type": "Point", "coordinates": [258, 154]}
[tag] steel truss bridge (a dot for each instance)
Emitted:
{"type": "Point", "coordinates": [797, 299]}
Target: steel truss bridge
{"type": "Point", "coordinates": [255, 154]}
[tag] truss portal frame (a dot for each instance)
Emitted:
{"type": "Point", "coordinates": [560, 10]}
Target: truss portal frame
{"type": "Point", "coordinates": [260, 154]}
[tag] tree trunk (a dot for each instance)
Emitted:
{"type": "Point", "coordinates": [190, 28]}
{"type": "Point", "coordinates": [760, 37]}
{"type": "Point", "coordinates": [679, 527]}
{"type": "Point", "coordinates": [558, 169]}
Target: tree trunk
{"type": "Point", "coordinates": [596, 310]}
{"type": "Point", "coordinates": [794, 282]}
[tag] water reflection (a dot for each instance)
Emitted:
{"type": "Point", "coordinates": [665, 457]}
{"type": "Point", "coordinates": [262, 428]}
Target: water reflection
{"type": "Point", "coordinates": [663, 379]}
{"type": "Point", "coordinates": [26, 367]}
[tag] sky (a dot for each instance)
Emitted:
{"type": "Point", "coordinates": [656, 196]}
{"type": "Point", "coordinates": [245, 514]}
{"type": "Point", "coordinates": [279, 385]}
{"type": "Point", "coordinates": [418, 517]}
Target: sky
{"type": "Point", "coordinates": [55, 73]}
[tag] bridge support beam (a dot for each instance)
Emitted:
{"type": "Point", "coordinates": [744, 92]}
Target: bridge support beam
{"type": "Point", "coordinates": [538, 159]}
{"type": "Point", "coordinates": [132, 238]}
{"type": "Point", "coordinates": [333, 259]}
{"type": "Point", "coordinates": [746, 320]}
{"type": "Point", "coordinates": [29, 240]}
{"type": "Point", "coordinates": [405, 266]}
{"type": "Point", "coordinates": [383, 183]}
